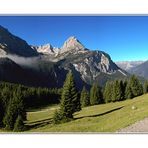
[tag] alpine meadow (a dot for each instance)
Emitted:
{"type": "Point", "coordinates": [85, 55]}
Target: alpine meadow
{"type": "Point", "coordinates": [98, 86]}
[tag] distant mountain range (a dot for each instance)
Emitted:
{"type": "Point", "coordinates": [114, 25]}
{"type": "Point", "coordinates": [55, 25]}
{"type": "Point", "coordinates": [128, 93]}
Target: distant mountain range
{"type": "Point", "coordinates": [141, 70]}
{"type": "Point", "coordinates": [128, 65]}
{"type": "Point", "coordinates": [47, 66]}
{"type": "Point", "coordinates": [138, 68]}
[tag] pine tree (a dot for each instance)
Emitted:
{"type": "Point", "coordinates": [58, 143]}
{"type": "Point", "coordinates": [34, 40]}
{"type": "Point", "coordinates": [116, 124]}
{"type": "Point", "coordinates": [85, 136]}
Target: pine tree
{"type": "Point", "coordinates": [123, 87]}
{"type": "Point", "coordinates": [16, 107]}
{"type": "Point", "coordinates": [136, 86]}
{"type": "Point", "coordinates": [96, 96]}
{"type": "Point", "coordinates": [1, 113]}
{"type": "Point", "coordinates": [145, 88]}
{"type": "Point", "coordinates": [107, 95]}
{"type": "Point", "coordinates": [117, 94]}
{"type": "Point", "coordinates": [85, 100]}
{"type": "Point", "coordinates": [128, 92]}
{"type": "Point", "coordinates": [19, 124]}
{"type": "Point", "coordinates": [69, 99]}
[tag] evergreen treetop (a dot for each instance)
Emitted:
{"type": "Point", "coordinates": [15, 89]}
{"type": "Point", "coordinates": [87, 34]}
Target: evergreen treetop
{"type": "Point", "coordinates": [96, 96]}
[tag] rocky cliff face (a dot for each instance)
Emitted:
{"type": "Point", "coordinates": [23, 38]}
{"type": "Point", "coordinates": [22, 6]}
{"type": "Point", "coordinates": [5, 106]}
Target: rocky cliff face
{"type": "Point", "coordinates": [46, 49]}
{"type": "Point", "coordinates": [73, 55]}
{"type": "Point", "coordinates": [10, 44]}
{"type": "Point", "coordinates": [72, 44]}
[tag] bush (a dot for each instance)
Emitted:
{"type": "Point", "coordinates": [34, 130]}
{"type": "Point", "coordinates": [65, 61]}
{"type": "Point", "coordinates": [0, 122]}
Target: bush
{"type": "Point", "coordinates": [59, 118]}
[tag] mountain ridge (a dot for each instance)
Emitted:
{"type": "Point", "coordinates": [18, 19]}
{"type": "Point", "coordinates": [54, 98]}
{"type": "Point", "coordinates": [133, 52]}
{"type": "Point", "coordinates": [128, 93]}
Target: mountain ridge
{"type": "Point", "coordinates": [10, 43]}
{"type": "Point", "coordinates": [127, 65]}
{"type": "Point", "coordinates": [88, 65]}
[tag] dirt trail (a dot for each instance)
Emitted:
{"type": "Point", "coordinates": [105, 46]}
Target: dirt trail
{"type": "Point", "coordinates": [140, 126]}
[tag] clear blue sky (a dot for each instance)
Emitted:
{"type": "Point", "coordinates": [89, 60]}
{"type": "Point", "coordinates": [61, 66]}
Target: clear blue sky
{"type": "Point", "coordinates": [122, 37]}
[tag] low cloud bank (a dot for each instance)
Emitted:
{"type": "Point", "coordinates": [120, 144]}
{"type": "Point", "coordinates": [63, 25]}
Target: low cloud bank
{"type": "Point", "coordinates": [26, 61]}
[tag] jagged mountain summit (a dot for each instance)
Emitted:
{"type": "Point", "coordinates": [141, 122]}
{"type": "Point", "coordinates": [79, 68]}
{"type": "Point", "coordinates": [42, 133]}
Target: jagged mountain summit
{"type": "Point", "coordinates": [50, 67]}
{"type": "Point", "coordinates": [89, 64]}
{"type": "Point", "coordinates": [46, 49]}
{"type": "Point", "coordinates": [72, 44]}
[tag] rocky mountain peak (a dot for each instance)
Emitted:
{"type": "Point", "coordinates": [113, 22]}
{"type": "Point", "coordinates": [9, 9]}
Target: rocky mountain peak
{"type": "Point", "coordinates": [46, 49]}
{"type": "Point", "coordinates": [72, 43]}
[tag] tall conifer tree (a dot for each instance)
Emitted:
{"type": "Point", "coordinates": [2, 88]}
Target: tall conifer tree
{"type": "Point", "coordinates": [16, 107]}
{"type": "Point", "coordinates": [85, 100]}
{"type": "Point", "coordinates": [70, 101]}
{"type": "Point", "coordinates": [128, 91]}
{"type": "Point", "coordinates": [136, 86]}
{"type": "Point", "coordinates": [96, 96]}
{"type": "Point", "coordinates": [117, 91]}
{"type": "Point", "coordinates": [107, 95]}
{"type": "Point", "coordinates": [145, 88]}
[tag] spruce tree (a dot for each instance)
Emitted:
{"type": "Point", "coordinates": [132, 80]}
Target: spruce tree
{"type": "Point", "coordinates": [19, 124]}
{"type": "Point", "coordinates": [136, 86]}
{"type": "Point", "coordinates": [145, 88]}
{"type": "Point", "coordinates": [96, 96]}
{"type": "Point", "coordinates": [85, 100]}
{"type": "Point", "coordinates": [107, 95]}
{"type": "Point", "coordinates": [1, 113]}
{"type": "Point", "coordinates": [117, 94]}
{"type": "Point", "coordinates": [69, 99]}
{"type": "Point", "coordinates": [16, 107]}
{"type": "Point", "coordinates": [123, 87]}
{"type": "Point", "coordinates": [128, 92]}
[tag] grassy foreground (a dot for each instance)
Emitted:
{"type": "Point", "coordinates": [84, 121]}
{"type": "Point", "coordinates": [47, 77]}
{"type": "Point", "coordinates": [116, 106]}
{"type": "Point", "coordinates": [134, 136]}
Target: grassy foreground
{"type": "Point", "coordinates": [109, 117]}
{"type": "Point", "coordinates": [99, 118]}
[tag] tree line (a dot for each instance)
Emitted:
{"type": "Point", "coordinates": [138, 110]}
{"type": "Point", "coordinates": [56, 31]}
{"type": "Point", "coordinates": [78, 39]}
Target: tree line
{"type": "Point", "coordinates": [117, 90]}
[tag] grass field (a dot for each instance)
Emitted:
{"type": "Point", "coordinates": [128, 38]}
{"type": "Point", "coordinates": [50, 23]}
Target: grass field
{"type": "Point", "coordinates": [100, 118]}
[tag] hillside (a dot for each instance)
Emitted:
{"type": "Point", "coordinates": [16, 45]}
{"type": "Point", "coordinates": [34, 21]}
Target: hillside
{"type": "Point", "coordinates": [11, 44]}
{"type": "Point", "coordinates": [109, 117]}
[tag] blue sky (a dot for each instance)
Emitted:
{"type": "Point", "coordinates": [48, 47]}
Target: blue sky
{"type": "Point", "coordinates": [122, 37]}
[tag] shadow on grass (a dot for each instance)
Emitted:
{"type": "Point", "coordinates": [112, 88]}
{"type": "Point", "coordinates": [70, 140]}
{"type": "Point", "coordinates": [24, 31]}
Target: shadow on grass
{"type": "Point", "coordinates": [39, 123]}
{"type": "Point", "coordinates": [97, 115]}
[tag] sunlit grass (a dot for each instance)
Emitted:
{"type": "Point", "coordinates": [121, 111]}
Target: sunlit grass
{"type": "Point", "coordinates": [100, 118]}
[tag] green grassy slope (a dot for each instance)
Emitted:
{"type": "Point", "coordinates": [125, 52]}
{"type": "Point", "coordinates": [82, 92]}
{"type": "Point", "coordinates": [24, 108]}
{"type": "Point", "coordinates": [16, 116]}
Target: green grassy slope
{"type": "Point", "coordinates": [100, 118]}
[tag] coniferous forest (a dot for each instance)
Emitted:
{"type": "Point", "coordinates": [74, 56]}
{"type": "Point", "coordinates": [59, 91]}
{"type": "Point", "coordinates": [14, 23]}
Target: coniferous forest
{"type": "Point", "coordinates": [16, 99]}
